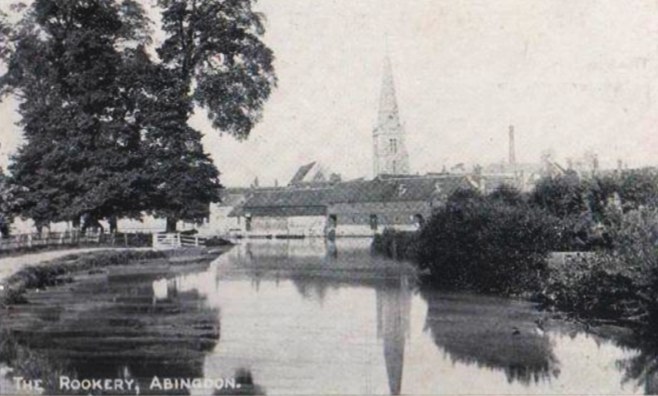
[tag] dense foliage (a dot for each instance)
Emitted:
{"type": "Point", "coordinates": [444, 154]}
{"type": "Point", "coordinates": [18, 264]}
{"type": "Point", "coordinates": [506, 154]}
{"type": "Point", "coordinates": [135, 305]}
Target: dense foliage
{"type": "Point", "coordinates": [106, 123]}
{"type": "Point", "coordinates": [7, 202]}
{"type": "Point", "coordinates": [80, 155]}
{"type": "Point", "coordinates": [620, 283]}
{"type": "Point", "coordinates": [496, 243]}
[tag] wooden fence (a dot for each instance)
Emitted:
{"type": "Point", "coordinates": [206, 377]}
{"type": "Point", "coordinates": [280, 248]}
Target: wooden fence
{"type": "Point", "coordinates": [74, 238]}
{"type": "Point", "coordinates": [176, 240]}
{"type": "Point", "coordinates": [28, 241]}
{"type": "Point", "coordinates": [121, 239]}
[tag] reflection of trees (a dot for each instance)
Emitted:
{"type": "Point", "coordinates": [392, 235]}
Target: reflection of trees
{"type": "Point", "coordinates": [119, 328]}
{"type": "Point", "coordinates": [642, 368]}
{"type": "Point", "coordinates": [491, 333]}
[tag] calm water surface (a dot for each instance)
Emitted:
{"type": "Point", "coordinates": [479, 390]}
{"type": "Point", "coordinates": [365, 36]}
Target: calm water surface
{"type": "Point", "coordinates": [303, 317]}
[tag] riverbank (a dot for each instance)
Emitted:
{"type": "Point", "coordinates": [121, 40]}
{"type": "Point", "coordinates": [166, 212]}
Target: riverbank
{"type": "Point", "coordinates": [10, 264]}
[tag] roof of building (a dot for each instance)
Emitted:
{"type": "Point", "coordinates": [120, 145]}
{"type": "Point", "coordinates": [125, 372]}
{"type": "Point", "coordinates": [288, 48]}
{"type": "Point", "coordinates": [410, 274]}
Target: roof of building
{"type": "Point", "coordinates": [285, 202]}
{"type": "Point", "coordinates": [280, 211]}
{"type": "Point", "coordinates": [397, 189]}
{"type": "Point", "coordinates": [301, 173]}
{"type": "Point", "coordinates": [294, 201]}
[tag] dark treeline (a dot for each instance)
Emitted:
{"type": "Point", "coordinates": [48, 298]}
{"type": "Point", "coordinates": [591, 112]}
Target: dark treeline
{"type": "Point", "coordinates": [501, 243]}
{"type": "Point", "coordinates": [105, 113]}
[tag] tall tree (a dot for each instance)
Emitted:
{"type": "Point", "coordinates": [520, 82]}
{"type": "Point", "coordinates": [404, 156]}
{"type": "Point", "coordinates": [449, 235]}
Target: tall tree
{"type": "Point", "coordinates": [81, 155]}
{"type": "Point", "coordinates": [184, 177]}
{"type": "Point", "coordinates": [213, 49]}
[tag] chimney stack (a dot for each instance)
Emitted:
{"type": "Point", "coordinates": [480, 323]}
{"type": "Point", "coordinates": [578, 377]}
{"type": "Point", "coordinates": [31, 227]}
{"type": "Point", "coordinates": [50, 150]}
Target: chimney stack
{"type": "Point", "coordinates": [512, 154]}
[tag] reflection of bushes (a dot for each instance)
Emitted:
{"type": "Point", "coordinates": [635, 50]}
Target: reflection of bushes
{"type": "Point", "coordinates": [493, 334]}
{"type": "Point", "coordinates": [396, 244]}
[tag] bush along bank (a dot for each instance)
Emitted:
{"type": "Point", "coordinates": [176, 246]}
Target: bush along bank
{"type": "Point", "coordinates": [618, 285]}
{"type": "Point", "coordinates": [501, 243]}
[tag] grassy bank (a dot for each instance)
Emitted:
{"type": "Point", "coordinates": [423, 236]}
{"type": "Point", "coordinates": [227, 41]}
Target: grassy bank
{"type": "Point", "coordinates": [500, 244]}
{"type": "Point", "coordinates": [57, 271]}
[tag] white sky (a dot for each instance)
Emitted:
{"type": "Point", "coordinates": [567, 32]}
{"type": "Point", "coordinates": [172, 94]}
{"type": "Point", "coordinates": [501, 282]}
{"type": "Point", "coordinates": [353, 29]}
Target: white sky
{"type": "Point", "coordinates": [570, 75]}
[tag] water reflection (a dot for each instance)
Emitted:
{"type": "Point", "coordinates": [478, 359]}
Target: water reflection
{"type": "Point", "coordinates": [127, 326]}
{"type": "Point", "coordinates": [641, 369]}
{"type": "Point", "coordinates": [393, 310]}
{"type": "Point", "coordinates": [492, 333]}
{"type": "Point", "coordinates": [334, 319]}
{"type": "Point", "coordinates": [308, 317]}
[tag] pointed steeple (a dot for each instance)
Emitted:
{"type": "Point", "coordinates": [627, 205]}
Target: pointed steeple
{"type": "Point", "coordinates": [388, 104]}
{"type": "Point", "coordinates": [390, 154]}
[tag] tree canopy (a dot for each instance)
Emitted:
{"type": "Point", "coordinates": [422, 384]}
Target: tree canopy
{"type": "Point", "coordinates": [217, 44]}
{"type": "Point", "coordinates": [81, 153]}
{"type": "Point", "coordinates": [106, 123]}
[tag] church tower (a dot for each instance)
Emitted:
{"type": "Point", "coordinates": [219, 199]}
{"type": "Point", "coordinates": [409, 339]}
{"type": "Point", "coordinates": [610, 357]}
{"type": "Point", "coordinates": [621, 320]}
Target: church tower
{"type": "Point", "coordinates": [390, 153]}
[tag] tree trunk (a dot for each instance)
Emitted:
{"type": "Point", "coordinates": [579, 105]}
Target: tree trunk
{"type": "Point", "coordinates": [171, 224]}
{"type": "Point", "coordinates": [112, 220]}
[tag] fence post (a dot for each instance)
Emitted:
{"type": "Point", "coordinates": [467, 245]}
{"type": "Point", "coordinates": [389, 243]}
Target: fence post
{"type": "Point", "coordinates": [196, 241]}
{"type": "Point", "coordinates": [29, 240]}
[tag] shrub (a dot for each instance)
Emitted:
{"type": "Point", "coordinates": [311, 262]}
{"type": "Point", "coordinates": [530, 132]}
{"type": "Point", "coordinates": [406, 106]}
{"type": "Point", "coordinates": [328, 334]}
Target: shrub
{"type": "Point", "coordinates": [487, 244]}
{"type": "Point", "coordinates": [620, 284]}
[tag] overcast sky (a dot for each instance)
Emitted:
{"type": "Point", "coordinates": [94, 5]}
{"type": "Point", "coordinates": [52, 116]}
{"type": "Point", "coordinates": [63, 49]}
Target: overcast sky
{"type": "Point", "coordinates": [569, 75]}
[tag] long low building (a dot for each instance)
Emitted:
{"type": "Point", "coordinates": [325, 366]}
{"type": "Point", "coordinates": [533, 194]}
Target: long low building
{"type": "Point", "coordinates": [352, 208]}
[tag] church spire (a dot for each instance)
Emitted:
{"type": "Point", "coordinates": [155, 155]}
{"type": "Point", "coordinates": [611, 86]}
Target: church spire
{"type": "Point", "coordinates": [390, 154]}
{"type": "Point", "coordinates": [388, 105]}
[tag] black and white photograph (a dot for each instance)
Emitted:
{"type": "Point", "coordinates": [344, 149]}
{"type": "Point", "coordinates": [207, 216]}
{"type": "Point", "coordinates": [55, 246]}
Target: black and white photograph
{"type": "Point", "coordinates": [328, 197]}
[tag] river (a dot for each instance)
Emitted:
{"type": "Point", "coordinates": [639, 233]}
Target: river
{"type": "Point", "coordinates": [305, 317]}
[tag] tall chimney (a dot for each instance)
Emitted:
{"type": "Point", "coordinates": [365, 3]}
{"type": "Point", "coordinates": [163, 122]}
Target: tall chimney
{"type": "Point", "coordinates": [512, 153]}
